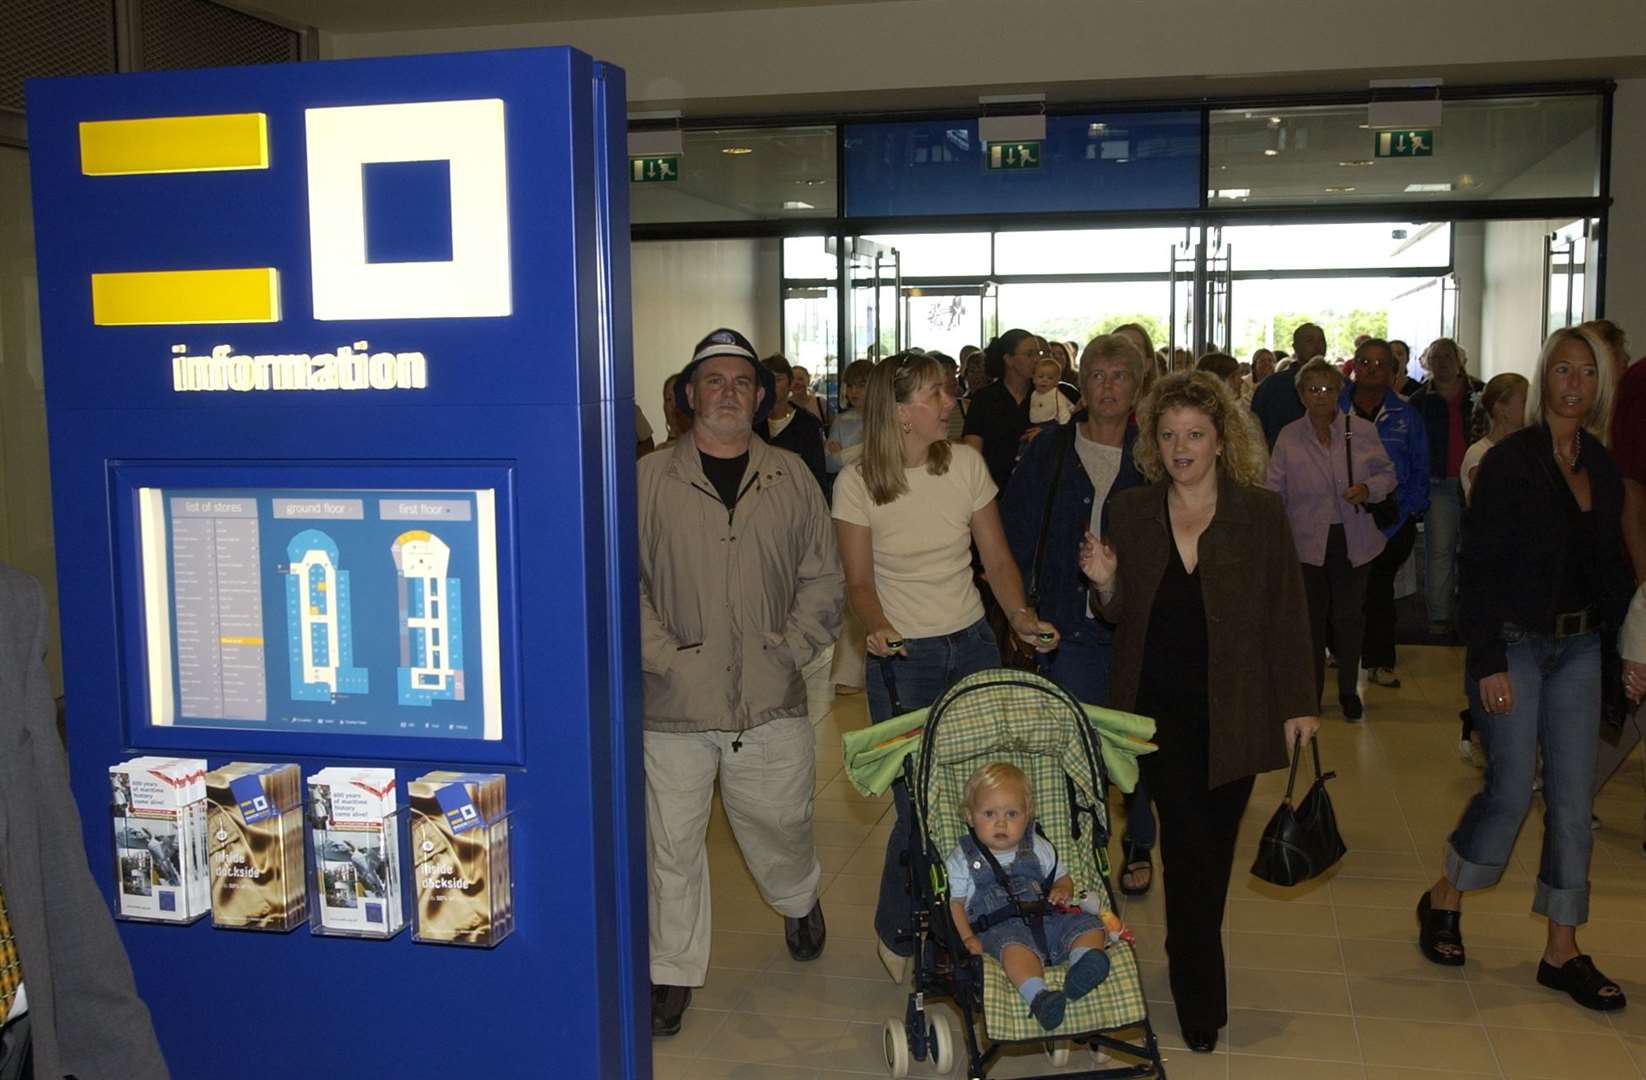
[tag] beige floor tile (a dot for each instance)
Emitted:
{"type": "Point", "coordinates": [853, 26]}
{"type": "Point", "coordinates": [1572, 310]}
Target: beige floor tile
{"type": "Point", "coordinates": [709, 1069]}
{"type": "Point", "coordinates": [1560, 1055]}
{"type": "Point", "coordinates": [1509, 967]}
{"type": "Point", "coordinates": [1637, 1047]}
{"type": "Point", "coordinates": [1411, 999]}
{"type": "Point", "coordinates": [851, 812]}
{"type": "Point", "coordinates": [1243, 886]}
{"type": "Point", "coordinates": [1398, 1072]}
{"type": "Point", "coordinates": [1534, 1007]}
{"type": "Point", "coordinates": [1384, 864]}
{"type": "Point", "coordinates": [1394, 959]}
{"type": "Point", "coordinates": [866, 860]}
{"type": "Point", "coordinates": [1289, 991]}
{"type": "Point", "coordinates": [747, 913]}
{"type": "Point", "coordinates": [1284, 952]}
{"type": "Point", "coordinates": [1157, 986]}
{"type": "Point", "coordinates": [853, 921]}
{"type": "Point", "coordinates": [1246, 1067]}
{"type": "Point", "coordinates": [1380, 924]}
{"type": "Point", "coordinates": [853, 889]}
{"type": "Point", "coordinates": [842, 833]}
{"type": "Point", "coordinates": [1446, 1047]}
{"type": "Point", "coordinates": [775, 1040]}
{"type": "Point", "coordinates": [697, 1032]}
{"type": "Point", "coordinates": [1273, 917]}
{"type": "Point", "coordinates": [804, 995]}
{"type": "Point", "coordinates": [848, 958]}
{"type": "Point", "coordinates": [1311, 1036]}
{"type": "Point", "coordinates": [1183, 1065]}
{"type": "Point", "coordinates": [1376, 893]}
{"type": "Point", "coordinates": [743, 949]}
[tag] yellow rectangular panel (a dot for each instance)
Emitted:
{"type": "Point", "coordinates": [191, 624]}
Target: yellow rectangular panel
{"type": "Point", "coordinates": [171, 144]}
{"type": "Point", "coordinates": [240, 641]}
{"type": "Point", "coordinates": [170, 297]}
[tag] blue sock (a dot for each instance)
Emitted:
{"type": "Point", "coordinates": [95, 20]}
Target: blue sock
{"type": "Point", "coordinates": [1031, 988]}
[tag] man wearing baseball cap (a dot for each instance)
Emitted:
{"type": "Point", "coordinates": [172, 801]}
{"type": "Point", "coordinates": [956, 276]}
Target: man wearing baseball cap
{"type": "Point", "coordinates": [740, 588]}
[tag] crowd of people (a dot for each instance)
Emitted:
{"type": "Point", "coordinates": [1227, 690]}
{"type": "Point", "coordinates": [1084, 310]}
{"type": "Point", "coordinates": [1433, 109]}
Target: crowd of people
{"type": "Point", "coordinates": [1198, 540]}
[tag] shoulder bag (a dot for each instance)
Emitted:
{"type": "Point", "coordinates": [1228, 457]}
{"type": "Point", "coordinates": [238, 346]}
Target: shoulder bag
{"type": "Point", "coordinates": [1301, 841]}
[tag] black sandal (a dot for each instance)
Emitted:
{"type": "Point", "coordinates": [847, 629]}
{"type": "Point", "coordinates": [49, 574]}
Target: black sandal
{"type": "Point", "coordinates": [1137, 859]}
{"type": "Point", "coordinates": [1583, 981]}
{"type": "Point", "coordinates": [1437, 928]}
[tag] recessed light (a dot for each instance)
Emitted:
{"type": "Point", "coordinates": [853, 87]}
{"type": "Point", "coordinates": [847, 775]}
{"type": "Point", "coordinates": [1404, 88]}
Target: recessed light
{"type": "Point", "coordinates": [1340, 189]}
{"type": "Point", "coordinates": [1096, 129]}
{"type": "Point", "coordinates": [737, 151]}
{"type": "Point", "coordinates": [1428, 187]}
{"type": "Point", "coordinates": [1271, 153]}
{"type": "Point", "coordinates": [796, 204]}
{"type": "Point", "coordinates": [1232, 193]}
{"type": "Point", "coordinates": [1356, 164]}
{"type": "Point", "coordinates": [1275, 121]}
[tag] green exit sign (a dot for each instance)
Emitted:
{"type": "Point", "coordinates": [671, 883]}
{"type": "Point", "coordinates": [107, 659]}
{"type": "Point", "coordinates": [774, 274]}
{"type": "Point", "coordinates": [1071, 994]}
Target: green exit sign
{"type": "Point", "coordinates": [1404, 144]}
{"type": "Point", "coordinates": [1014, 155]}
{"type": "Point", "coordinates": [655, 170]}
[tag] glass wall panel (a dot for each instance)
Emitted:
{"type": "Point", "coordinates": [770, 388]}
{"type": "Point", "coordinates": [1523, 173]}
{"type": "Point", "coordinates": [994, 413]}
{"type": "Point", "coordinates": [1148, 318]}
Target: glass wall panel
{"type": "Point", "coordinates": [1339, 246]}
{"type": "Point", "coordinates": [1110, 161]}
{"type": "Point", "coordinates": [940, 254]}
{"type": "Point", "coordinates": [1267, 310]}
{"type": "Point", "coordinates": [1085, 251]}
{"type": "Point", "coordinates": [944, 319]}
{"type": "Point", "coordinates": [1500, 148]}
{"type": "Point", "coordinates": [809, 258]}
{"type": "Point", "coordinates": [1079, 311]}
{"type": "Point", "coordinates": [744, 174]}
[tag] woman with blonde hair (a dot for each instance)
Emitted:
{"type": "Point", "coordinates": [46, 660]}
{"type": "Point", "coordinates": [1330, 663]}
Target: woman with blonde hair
{"type": "Point", "coordinates": [1545, 586]}
{"type": "Point", "coordinates": [1060, 489]}
{"type": "Point", "coordinates": [1199, 574]}
{"type": "Point", "coordinates": [907, 514]}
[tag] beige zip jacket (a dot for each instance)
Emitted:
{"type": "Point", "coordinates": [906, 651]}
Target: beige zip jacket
{"type": "Point", "coordinates": [733, 604]}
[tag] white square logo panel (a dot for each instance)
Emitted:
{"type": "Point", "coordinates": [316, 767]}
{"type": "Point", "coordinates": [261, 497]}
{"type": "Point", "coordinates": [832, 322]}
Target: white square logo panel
{"type": "Point", "coordinates": [475, 283]}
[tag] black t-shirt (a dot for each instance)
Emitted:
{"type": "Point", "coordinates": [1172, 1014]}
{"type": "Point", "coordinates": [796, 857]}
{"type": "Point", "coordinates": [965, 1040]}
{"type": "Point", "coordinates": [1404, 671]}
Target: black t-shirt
{"type": "Point", "coordinates": [726, 474]}
{"type": "Point", "coordinates": [1000, 421]}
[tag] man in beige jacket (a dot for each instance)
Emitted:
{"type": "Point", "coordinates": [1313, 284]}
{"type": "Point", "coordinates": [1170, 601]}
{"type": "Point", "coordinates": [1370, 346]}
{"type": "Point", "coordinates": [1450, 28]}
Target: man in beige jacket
{"type": "Point", "coordinates": [740, 588]}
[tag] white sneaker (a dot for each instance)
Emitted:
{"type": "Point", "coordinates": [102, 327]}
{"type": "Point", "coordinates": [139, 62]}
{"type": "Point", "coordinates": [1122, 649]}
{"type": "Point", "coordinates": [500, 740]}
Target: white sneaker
{"type": "Point", "coordinates": [896, 966]}
{"type": "Point", "coordinates": [1471, 752]}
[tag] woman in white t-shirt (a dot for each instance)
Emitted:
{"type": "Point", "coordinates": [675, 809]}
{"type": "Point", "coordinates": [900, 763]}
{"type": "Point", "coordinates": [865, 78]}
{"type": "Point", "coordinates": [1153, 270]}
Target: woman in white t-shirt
{"type": "Point", "coordinates": [1500, 411]}
{"type": "Point", "coordinates": [907, 514]}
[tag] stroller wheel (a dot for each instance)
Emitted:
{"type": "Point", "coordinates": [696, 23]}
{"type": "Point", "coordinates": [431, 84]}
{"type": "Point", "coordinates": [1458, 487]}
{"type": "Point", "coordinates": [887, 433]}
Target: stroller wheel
{"type": "Point", "coordinates": [945, 1044]}
{"type": "Point", "coordinates": [895, 1042]}
{"type": "Point", "coordinates": [1057, 1054]}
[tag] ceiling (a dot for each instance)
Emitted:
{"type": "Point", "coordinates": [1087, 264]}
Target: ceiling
{"type": "Point", "coordinates": [376, 16]}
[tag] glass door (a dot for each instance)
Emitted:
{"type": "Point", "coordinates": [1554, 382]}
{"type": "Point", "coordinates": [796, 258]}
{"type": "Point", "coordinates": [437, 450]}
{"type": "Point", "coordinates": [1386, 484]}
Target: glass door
{"type": "Point", "coordinates": [872, 276]}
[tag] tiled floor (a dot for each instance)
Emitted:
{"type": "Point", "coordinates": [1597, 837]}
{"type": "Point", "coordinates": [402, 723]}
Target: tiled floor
{"type": "Point", "coordinates": [1325, 980]}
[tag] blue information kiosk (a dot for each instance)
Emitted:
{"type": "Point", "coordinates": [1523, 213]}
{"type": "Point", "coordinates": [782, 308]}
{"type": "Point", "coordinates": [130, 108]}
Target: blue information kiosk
{"type": "Point", "coordinates": [342, 448]}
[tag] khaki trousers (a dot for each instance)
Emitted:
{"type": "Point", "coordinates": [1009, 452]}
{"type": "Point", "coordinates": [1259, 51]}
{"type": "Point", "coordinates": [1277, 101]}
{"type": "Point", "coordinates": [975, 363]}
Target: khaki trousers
{"type": "Point", "coordinates": [850, 652]}
{"type": "Point", "coordinates": [766, 786]}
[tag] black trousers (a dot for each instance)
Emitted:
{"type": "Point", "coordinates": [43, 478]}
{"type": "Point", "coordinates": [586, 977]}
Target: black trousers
{"type": "Point", "coordinates": [1197, 828]}
{"type": "Point", "coordinates": [1378, 648]}
{"type": "Point", "coordinates": [1337, 617]}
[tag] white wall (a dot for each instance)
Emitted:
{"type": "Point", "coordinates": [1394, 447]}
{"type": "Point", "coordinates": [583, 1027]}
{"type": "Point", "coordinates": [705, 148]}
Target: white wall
{"type": "Point", "coordinates": [1511, 316]}
{"type": "Point", "coordinates": [682, 290]}
{"type": "Point", "coordinates": [1626, 226]}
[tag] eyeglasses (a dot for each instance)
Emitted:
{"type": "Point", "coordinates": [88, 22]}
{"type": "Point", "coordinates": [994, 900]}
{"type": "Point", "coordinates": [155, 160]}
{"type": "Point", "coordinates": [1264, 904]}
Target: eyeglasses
{"type": "Point", "coordinates": [1323, 388]}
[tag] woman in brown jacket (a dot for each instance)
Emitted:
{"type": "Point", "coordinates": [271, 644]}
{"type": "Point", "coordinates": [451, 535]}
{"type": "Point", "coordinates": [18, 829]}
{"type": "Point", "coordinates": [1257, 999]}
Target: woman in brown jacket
{"type": "Point", "coordinates": [1200, 576]}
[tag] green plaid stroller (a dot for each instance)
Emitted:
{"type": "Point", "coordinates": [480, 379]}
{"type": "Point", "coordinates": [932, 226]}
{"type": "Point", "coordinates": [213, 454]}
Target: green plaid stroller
{"type": "Point", "coordinates": [1028, 720]}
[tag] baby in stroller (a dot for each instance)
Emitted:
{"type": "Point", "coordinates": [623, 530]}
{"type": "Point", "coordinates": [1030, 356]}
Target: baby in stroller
{"type": "Point", "coordinates": [1009, 896]}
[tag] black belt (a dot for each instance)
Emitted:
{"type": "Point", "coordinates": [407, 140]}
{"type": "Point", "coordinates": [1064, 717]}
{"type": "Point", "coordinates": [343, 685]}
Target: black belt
{"type": "Point", "coordinates": [1572, 623]}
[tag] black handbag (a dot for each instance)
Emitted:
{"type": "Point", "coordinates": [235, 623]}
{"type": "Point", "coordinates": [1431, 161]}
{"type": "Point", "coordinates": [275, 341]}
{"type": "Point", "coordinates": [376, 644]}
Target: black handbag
{"type": "Point", "coordinates": [1301, 841]}
{"type": "Point", "coordinates": [1384, 512]}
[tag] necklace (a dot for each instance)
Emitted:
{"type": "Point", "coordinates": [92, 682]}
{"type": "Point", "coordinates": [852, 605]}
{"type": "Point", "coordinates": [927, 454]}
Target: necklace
{"type": "Point", "coordinates": [1572, 462]}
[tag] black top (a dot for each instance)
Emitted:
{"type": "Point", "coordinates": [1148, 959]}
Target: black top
{"type": "Point", "coordinates": [1000, 421]}
{"type": "Point", "coordinates": [1276, 402]}
{"type": "Point", "coordinates": [802, 435]}
{"type": "Point", "coordinates": [726, 474]}
{"type": "Point", "coordinates": [1437, 419]}
{"type": "Point", "coordinates": [1173, 685]}
{"type": "Point", "coordinates": [1523, 533]}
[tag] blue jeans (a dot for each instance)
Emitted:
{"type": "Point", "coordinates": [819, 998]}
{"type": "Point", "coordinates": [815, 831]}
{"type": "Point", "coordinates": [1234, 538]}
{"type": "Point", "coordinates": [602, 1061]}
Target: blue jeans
{"type": "Point", "coordinates": [932, 666]}
{"type": "Point", "coordinates": [1442, 527]}
{"type": "Point", "coordinates": [1080, 665]}
{"type": "Point", "coordinates": [1556, 686]}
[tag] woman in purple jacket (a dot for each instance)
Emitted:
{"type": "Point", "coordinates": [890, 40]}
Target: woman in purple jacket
{"type": "Point", "coordinates": [1331, 525]}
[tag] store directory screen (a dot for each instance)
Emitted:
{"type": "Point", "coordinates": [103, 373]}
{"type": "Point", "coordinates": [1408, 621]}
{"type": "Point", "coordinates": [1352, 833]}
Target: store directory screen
{"type": "Point", "coordinates": [358, 611]}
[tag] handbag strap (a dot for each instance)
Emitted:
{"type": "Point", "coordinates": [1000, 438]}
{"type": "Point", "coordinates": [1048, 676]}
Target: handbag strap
{"type": "Point", "coordinates": [1031, 591]}
{"type": "Point", "coordinates": [1297, 755]}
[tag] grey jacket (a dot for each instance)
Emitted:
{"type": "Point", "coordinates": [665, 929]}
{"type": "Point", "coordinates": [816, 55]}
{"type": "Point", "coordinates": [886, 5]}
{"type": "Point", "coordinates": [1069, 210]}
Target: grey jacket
{"type": "Point", "coordinates": [732, 604]}
{"type": "Point", "coordinates": [87, 1019]}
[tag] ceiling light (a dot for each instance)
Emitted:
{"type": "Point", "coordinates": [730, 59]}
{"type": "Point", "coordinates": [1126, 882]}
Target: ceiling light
{"type": "Point", "coordinates": [1232, 193]}
{"type": "Point", "coordinates": [1428, 187]}
{"type": "Point", "coordinates": [1356, 164]}
{"type": "Point", "coordinates": [796, 204]}
{"type": "Point", "coordinates": [1271, 152]}
{"type": "Point", "coordinates": [737, 151]}
{"type": "Point", "coordinates": [1274, 120]}
{"type": "Point", "coordinates": [1096, 129]}
{"type": "Point", "coordinates": [1340, 189]}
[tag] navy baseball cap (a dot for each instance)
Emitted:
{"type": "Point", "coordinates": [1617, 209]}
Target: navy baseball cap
{"type": "Point", "coordinates": [725, 342]}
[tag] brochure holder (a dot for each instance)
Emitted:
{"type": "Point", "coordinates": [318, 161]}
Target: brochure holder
{"type": "Point", "coordinates": [462, 887]}
{"type": "Point", "coordinates": [356, 887]}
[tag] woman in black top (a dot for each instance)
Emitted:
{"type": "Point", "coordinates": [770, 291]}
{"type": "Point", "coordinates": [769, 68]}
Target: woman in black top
{"type": "Point", "coordinates": [1544, 589]}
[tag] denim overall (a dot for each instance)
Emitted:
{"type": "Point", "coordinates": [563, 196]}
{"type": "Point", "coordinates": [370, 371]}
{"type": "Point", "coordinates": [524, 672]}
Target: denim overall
{"type": "Point", "coordinates": [999, 922]}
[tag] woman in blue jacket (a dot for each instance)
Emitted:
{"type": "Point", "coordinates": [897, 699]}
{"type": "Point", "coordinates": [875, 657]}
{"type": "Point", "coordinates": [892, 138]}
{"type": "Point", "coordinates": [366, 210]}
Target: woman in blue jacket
{"type": "Point", "coordinates": [1058, 491]}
